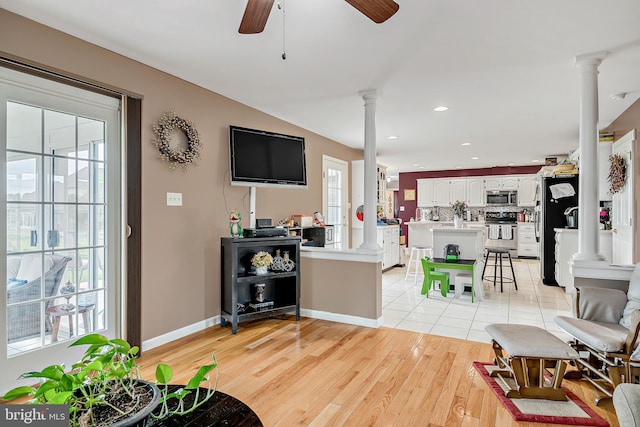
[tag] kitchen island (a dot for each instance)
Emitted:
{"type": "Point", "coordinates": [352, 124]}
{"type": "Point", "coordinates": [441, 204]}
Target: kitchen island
{"type": "Point", "coordinates": [420, 232]}
{"type": "Point", "coordinates": [470, 241]}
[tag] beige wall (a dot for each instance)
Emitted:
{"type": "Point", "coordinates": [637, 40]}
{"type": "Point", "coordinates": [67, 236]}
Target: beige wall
{"type": "Point", "coordinates": [180, 245]}
{"type": "Point", "coordinates": [627, 121]}
{"type": "Point", "coordinates": [335, 286]}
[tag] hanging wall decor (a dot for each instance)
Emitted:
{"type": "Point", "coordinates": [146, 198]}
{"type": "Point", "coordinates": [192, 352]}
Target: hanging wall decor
{"type": "Point", "coordinates": [168, 123]}
{"type": "Point", "coordinates": [617, 173]}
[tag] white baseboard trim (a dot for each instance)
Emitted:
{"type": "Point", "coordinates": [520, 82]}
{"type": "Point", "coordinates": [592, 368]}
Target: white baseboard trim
{"type": "Point", "coordinates": [342, 318]}
{"type": "Point", "coordinates": [180, 333]}
{"type": "Point", "coordinates": [203, 324]}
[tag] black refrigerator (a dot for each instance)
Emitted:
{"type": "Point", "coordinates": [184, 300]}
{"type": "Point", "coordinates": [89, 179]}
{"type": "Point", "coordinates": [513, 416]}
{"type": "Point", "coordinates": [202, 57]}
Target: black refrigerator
{"type": "Point", "coordinates": [554, 198]}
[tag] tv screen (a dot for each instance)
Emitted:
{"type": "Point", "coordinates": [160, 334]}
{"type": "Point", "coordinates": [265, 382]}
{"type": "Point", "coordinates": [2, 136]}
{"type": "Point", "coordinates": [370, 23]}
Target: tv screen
{"type": "Point", "coordinates": [266, 159]}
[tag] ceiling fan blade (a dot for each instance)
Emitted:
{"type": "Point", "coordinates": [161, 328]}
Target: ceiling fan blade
{"type": "Point", "coordinates": [376, 10]}
{"type": "Point", "coordinates": [255, 16]}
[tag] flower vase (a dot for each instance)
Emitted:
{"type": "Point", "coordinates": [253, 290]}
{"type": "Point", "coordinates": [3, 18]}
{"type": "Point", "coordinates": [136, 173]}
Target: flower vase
{"type": "Point", "coordinates": [457, 222]}
{"type": "Point", "coordinates": [262, 270]}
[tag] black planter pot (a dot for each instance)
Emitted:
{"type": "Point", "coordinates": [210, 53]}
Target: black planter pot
{"type": "Point", "coordinates": [139, 419]}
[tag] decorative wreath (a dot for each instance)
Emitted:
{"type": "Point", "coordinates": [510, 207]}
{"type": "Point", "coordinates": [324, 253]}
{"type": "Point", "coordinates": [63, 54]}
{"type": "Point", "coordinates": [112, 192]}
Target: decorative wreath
{"type": "Point", "coordinates": [168, 123]}
{"type": "Point", "coordinates": [617, 173]}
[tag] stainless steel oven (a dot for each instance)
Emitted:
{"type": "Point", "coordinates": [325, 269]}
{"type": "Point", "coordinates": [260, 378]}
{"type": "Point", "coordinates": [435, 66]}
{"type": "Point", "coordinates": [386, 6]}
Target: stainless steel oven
{"type": "Point", "coordinates": [502, 198]}
{"type": "Point", "coordinates": [501, 230]}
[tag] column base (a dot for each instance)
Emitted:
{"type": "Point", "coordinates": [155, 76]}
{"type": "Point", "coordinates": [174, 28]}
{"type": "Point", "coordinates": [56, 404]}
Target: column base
{"type": "Point", "coordinates": [587, 259]}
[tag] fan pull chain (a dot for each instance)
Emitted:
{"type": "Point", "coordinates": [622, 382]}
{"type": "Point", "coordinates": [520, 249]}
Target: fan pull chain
{"type": "Point", "coordinates": [284, 53]}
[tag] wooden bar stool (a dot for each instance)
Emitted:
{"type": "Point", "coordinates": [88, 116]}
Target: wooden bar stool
{"type": "Point", "coordinates": [498, 255]}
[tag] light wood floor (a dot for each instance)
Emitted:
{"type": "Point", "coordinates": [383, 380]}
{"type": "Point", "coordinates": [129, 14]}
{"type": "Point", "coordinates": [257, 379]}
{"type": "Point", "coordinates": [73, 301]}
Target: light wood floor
{"type": "Point", "coordinates": [320, 373]}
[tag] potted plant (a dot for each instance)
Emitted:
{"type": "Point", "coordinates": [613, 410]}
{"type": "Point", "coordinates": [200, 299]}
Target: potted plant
{"type": "Point", "coordinates": [459, 209]}
{"type": "Point", "coordinates": [261, 261]}
{"type": "Point", "coordinates": [104, 387]}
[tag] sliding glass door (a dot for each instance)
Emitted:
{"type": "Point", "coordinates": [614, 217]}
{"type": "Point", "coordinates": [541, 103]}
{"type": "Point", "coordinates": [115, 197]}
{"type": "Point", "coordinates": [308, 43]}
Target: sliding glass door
{"type": "Point", "coordinates": [63, 219]}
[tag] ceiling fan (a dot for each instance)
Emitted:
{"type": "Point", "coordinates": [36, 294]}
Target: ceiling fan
{"type": "Point", "coordinates": [257, 12]}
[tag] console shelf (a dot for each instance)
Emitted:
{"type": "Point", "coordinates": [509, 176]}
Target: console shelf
{"type": "Point", "coordinates": [282, 288]}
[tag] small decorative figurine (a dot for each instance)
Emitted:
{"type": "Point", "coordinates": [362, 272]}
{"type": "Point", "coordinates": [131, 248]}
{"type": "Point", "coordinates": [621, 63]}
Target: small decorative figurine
{"type": "Point", "coordinates": [318, 219]}
{"type": "Point", "coordinates": [235, 228]}
{"type": "Point", "coordinates": [259, 295]}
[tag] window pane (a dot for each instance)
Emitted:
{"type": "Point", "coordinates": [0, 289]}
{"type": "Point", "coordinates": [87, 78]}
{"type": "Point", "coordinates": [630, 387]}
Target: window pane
{"type": "Point", "coordinates": [23, 178]}
{"type": "Point", "coordinates": [59, 133]}
{"type": "Point", "coordinates": [90, 139]}
{"type": "Point", "coordinates": [24, 231]}
{"type": "Point", "coordinates": [24, 127]}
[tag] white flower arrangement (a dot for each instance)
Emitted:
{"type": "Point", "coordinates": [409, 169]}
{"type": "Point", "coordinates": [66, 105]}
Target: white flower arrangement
{"type": "Point", "coordinates": [262, 259]}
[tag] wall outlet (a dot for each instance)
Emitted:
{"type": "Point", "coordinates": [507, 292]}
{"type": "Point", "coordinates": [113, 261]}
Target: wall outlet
{"type": "Point", "coordinates": [401, 208]}
{"type": "Point", "coordinates": [174, 199]}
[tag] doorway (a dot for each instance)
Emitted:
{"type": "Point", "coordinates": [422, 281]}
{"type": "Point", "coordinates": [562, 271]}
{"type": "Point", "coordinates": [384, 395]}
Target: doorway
{"type": "Point", "coordinates": [62, 213]}
{"type": "Point", "coordinates": [335, 176]}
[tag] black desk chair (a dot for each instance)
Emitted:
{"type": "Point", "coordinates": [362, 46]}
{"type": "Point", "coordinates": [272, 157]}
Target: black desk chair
{"type": "Point", "coordinates": [499, 253]}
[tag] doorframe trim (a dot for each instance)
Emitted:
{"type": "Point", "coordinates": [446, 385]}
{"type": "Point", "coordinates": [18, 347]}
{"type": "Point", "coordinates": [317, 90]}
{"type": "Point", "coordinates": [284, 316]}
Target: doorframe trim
{"type": "Point", "coordinates": [132, 316]}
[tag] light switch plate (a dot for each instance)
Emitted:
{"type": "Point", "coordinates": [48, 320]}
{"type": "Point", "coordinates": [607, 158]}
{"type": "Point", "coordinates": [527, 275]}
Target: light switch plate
{"type": "Point", "coordinates": [174, 199]}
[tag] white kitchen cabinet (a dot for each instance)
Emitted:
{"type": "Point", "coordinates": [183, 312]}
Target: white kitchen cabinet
{"type": "Point", "coordinates": [527, 190]}
{"type": "Point", "coordinates": [509, 182]}
{"type": "Point", "coordinates": [567, 245]}
{"type": "Point", "coordinates": [492, 183]}
{"type": "Point", "coordinates": [475, 192]}
{"type": "Point", "coordinates": [504, 182]}
{"type": "Point", "coordinates": [527, 244]}
{"type": "Point", "coordinates": [389, 239]}
{"type": "Point", "coordinates": [457, 190]}
{"type": "Point", "coordinates": [441, 191]}
{"type": "Point", "coordinates": [426, 192]}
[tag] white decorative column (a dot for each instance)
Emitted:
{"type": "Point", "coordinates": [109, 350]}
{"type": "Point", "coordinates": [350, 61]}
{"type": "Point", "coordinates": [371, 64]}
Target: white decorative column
{"type": "Point", "coordinates": [588, 221]}
{"type": "Point", "coordinates": [369, 242]}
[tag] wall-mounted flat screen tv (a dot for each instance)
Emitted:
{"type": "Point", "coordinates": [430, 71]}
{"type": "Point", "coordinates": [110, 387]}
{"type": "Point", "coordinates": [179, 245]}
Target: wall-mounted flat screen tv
{"type": "Point", "coordinates": [266, 159]}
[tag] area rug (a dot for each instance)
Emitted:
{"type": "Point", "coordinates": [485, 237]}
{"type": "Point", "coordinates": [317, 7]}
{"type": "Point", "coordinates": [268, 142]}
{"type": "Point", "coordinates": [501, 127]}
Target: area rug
{"type": "Point", "coordinates": [572, 412]}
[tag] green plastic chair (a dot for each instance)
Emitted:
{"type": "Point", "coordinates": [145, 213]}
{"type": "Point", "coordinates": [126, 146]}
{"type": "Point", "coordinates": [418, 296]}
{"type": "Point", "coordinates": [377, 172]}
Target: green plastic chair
{"type": "Point", "coordinates": [440, 276]}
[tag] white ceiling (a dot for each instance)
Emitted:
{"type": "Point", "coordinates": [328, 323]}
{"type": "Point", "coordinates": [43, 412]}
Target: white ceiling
{"type": "Point", "coordinates": [505, 68]}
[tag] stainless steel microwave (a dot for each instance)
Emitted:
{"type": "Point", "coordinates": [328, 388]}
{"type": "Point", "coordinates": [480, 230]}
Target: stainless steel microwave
{"type": "Point", "coordinates": [502, 198]}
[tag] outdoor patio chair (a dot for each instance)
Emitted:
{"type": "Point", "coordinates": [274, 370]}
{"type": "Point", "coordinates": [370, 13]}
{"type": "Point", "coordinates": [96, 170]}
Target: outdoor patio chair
{"type": "Point", "coordinates": [23, 321]}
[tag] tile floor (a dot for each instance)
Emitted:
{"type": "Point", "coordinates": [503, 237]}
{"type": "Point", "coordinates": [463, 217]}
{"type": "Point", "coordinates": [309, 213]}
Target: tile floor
{"type": "Point", "coordinates": [534, 303]}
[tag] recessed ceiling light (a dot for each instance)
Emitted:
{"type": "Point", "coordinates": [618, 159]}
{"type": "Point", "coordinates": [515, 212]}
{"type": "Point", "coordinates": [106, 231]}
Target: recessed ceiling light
{"type": "Point", "coordinates": [475, 158]}
{"type": "Point", "coordinates": [511, 164]}
{"type": "Point", "coordinates": [415, 165]}
{"type": "Point", "coordinates": [441, 108]}
{"type": "Point", "coordinates": [421, 167]}
{"type": "Point", "coordinates": [392, 137]}
{"type": "Point", "coordinates": [466, 143]}
{"type": "Point", "coordinates": [535, 161]}
{"type": "Point", "coordinates": [458, 167]}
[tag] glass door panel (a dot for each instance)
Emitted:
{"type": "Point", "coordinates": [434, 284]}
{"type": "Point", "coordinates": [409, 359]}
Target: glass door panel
{"type": "Point", "coordinates": [57, 220]}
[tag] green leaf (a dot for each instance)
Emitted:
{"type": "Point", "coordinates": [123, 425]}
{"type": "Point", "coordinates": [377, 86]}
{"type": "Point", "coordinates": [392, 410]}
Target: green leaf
{"type": "Point", "coordinates": [18, 392]}
{"type": "Point", "coordinates": [200, 376]}
{"type": "Point", "coordinates": [91, 339]}
{"type": "Point", "coordinates": [53, 372]}
{"type": "Point", "coordinates": [60, 398]}
{"type": "Point", "coordinates": [164, 373]}
{"type": "Point", "coordinates": [122, 344]}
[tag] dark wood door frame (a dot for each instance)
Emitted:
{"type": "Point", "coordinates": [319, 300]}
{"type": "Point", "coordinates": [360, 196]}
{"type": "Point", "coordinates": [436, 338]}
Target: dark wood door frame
{"type": "Point", "coordinates": [133, 289]}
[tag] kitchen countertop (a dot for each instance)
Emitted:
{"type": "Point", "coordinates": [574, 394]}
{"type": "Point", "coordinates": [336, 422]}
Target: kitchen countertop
{"type": "Point", "coordinates": [575, 230]}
